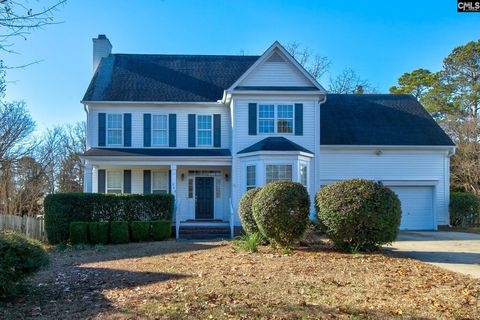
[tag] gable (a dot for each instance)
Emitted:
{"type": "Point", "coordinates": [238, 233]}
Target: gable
{"type": "Point", "coordinates": [276, 71]}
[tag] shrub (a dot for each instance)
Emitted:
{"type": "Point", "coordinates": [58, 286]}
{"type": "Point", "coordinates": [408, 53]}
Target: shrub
{"type": "Point", "coordinates": [119, 232]}
{"type": "Point", "coordinates": [245, 211]}
{"type": "Point", "coordinates": [98, 232]}
{"type": "Point", "coordinates": [140, 230]}
{"type": "Point", "coordinates": [464, 209]}
{"type": "Point", "coordinates": [63, 208]}
{"type": "Point", "coordinates": [281, 211]}
{"type": "Point", "coordinates": [359, 214]}
{"type": "Point", "coordinates": [79, 232]}
{"type": "Point", "coordinates": [161, 229]}
{"type": "Point", "coordinates": [19, 257]}
{"type": "Point", "coordinates": [248, 242]}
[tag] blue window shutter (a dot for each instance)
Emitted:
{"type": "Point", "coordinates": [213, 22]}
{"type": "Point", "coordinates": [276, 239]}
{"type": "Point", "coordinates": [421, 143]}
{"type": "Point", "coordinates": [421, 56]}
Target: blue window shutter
{"type": "Point", "coordinates": [102, 129]}
{"type": "Point", "coordinates": [252, 119]}
{"type": "Point", "coordinates": [147, 130]}
{"type": "Point", "coordinates": [147, 182]}
{"type": "Point", "coordinates": [217, 131]}
{"type": "Point", "coordinates": [127, 130]}
{"type": "Point", "coordinates": [172, 130]}
{"type": "Point", "coordinates": [127, 181]}
{"type": "Point", "coordinates": [298, 119]}
{"type": "Point", "coordinates": [101, 180]}
{"type": "Point", "coordinates": [191, 130]}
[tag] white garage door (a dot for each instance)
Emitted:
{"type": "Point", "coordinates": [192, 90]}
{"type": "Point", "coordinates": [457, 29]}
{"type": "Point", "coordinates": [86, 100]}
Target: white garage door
{"type": "Point", "coordinates": [417, 207]}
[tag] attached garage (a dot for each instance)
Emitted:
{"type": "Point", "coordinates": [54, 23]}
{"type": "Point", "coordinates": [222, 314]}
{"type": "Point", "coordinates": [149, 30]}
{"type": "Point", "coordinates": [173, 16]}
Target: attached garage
{"type": "Point", "coordinates": [417, 207]}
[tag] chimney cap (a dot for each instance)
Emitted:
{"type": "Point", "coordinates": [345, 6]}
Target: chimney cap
{"type": "Point", "coordinates": [102, 36]}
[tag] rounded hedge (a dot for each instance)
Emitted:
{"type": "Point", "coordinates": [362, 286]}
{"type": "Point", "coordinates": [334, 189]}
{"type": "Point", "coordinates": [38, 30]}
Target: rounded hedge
{"type": "Point", "coordinates": [359, 214]}
{"type": "Point", "coordinates": [245, 212]}
{"type": "Point", "coordinates": [464, 209]}
{"type": "Point", "coordinates": [281, 211]}
{"type": "Point", "coordinates": [19, 257]}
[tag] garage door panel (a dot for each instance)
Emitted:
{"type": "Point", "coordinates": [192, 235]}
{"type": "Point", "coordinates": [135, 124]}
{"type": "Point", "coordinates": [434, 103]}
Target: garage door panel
{"type": "Point", "coordinates": [417, 207]}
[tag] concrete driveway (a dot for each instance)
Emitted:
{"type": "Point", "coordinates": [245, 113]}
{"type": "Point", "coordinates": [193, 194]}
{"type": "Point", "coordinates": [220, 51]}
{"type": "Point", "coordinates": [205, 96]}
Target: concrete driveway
{"type": "Point", "coordinates": [455, 251]}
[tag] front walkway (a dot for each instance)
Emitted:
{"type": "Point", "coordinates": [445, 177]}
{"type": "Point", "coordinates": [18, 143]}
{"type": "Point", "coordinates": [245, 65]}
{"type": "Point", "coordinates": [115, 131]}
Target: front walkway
{"type": "Point", "coordinates": [455, 251]}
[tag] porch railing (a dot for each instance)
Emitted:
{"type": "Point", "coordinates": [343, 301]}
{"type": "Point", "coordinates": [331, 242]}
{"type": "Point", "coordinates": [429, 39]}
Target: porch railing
{"type": "Point", "coordinates": [232, 224]}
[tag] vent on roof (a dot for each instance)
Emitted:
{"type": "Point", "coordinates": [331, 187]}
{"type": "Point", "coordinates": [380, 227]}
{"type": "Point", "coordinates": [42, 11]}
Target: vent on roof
{"type": "Point", "coordinates": [275, 58]}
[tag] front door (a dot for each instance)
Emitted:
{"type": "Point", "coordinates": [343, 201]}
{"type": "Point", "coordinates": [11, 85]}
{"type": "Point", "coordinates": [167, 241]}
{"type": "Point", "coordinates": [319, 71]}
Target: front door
{"type": "Point", "coordinates": [204, 198]}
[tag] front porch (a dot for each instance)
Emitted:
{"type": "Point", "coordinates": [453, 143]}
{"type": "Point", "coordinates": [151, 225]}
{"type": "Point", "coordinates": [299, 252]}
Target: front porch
{"type": "Point", "coordinates": [202, 192]}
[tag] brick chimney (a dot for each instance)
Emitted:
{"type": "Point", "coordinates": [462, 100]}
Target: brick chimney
{"type": "Point", "coordinates": [101, 49]}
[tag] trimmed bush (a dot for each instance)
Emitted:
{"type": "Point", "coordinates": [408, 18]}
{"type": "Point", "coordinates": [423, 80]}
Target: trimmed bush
{"type": "Point", "coordinates": [359, 214]}
{"type": "Point", "coordinates": [464, 209]}
{"type": "Point", "coordinates": [63, 208]}
{"type": "Point", "coordinates": [281, 211]}
{"type": "Point", "coordinates": [79, 232]}
{"type": "Point", "coordinates": [245, 211]}
{"type": "Point", "coordinates": [98, 232]}
{"type": "Point", "coordinates": [161, 229]}
{"type": "Point", "coordinates": [19, 257]}
{"type": "Point", "coordinates": [119, 232]}
{"type": "Point", "coordinates": [140, 230]}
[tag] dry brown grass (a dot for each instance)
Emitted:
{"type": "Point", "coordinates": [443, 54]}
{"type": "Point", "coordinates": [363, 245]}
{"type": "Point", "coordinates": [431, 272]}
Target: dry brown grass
{"type": "Point", "coordinates": [170, 280]}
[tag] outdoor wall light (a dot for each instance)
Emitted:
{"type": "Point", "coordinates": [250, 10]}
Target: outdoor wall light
{"type": "Point", "coordinates": [226, 176]}
{"type": "Point", "coordinates": [182, 176]}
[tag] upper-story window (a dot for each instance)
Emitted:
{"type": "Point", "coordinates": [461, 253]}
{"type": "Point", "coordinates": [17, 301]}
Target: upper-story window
{"type": "Point", "coordinates": [275, 118]}
{"type": "Point", "coordinates": [159, 129]}
{"type": "Point", "coordinates": [204, 130]}
{"type": "Point", "coordinates": [114, 129]}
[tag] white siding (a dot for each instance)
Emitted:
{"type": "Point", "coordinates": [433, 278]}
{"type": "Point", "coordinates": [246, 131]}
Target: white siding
{"type": "Point", "coordinates": [405, 167]}
{"type": "Point", "coordinates": [137, 112]}
{"type": "Point", "coordinates": [276, 72]}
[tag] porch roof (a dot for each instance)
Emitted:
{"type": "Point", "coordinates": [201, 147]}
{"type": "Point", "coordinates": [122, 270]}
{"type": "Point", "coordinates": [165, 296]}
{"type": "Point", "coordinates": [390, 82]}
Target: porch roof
{"type": "Point", "coordinates": [275, 144]}
{"type": "Point", "coordinates": [155, 152]}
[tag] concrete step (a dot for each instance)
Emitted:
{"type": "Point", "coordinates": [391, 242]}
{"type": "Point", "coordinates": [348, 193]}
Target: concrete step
{"type": "Point", "coordinates": [204, 232]}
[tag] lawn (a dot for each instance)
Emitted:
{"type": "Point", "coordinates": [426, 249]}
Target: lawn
{"type": "Point", "coordinates": [165, 280]}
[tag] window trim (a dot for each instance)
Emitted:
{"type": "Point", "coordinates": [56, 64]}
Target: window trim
{"type": "Point", "coordinates": [151, 181]}
{"type": "Point", "coordinates": [251, 186]}
{"type": "Point", "coordinates": [279, 164]}
{"type": "Point", "coordinates": [275, 118]}
{"type": "Point", "coordinates": [197, 129]}
{"type": "Point", "coordinates": [121, 179]}
{"type": "Point", "coordinates": [152, 129]}
{"type": "Point", "coordinates": [121, 129]}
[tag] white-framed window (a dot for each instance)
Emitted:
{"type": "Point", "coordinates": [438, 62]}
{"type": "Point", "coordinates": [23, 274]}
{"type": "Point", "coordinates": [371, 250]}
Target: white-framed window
{"type": "Point", "coordinates": [251, 177]}
{"type": "Point", "coordinates": [304, 175]}
{"type": "Point", "coordinates": [285, 118]}
{"type": "Point", "coordinates": [279, 172]}
{"type": "Point", "coordinates": [159, 129]}
{"type": "Point", "coordinates": [159, 181]}
{"type": "Point", "coordinates": [114, 129]}
{"type": "Point", "coordinates": [266, 118]}
{"type": "Point", "coordinates": [114, 181]}
{"type": "Point", "coordinates": [204, 130]}
{"type": "Point", "coordinates": [275, 118]}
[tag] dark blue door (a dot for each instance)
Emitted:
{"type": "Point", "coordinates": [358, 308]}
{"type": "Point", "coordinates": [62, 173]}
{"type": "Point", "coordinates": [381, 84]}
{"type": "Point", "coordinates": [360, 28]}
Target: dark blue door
{"type": "Point", "coordinates": [204, 198]}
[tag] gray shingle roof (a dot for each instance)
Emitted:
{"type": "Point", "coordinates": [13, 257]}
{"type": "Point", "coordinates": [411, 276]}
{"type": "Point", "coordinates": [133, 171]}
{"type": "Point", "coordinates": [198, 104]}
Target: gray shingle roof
{"type": "Point", "coordinates": [274, 144]}
{"type": "Point", "coordinates": [176, 78]}
{"type": "Point", "coordinates": [156, 152]}
{"type": "Point", "coordinates": [378, 119]}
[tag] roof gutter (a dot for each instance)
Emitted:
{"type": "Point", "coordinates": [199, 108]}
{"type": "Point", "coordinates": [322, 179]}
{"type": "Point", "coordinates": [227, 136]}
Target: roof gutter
{"type": "Point", "coordinates": [152, 102]}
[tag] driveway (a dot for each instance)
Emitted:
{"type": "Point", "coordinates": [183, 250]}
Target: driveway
{"type": "Point", "coordinates": [455, 251]}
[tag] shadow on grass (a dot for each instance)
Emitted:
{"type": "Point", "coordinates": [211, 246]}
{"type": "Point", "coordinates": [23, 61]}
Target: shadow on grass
{"type": "Point", "coordinates": [77, 292]}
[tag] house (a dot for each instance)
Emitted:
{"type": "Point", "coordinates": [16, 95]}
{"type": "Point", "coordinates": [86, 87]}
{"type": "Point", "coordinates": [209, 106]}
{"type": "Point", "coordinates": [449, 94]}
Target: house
{"type": "Point", "coordinates": [206, 128]}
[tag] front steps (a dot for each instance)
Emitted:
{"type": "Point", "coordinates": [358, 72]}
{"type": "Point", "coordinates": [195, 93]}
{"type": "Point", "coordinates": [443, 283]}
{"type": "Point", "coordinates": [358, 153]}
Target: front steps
{"type": "Point", "coordinates": [204, 232]}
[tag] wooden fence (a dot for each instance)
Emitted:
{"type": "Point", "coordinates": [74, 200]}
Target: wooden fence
{"type": "Point", "coordinates": [33, 227]}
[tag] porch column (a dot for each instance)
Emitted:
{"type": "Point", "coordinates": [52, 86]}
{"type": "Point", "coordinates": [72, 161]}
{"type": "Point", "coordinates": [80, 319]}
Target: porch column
{"type": "Point", "coordinates": [173, 191]}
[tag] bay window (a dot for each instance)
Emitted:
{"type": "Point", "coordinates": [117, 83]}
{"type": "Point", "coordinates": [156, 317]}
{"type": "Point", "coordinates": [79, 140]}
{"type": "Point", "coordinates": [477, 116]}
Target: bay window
{"type": "Point", "coordinates": [303, 175]}
{"type": "Point", "coordinates": [282, 172]}
{"type": "Point", "coordinates": [251, 177]}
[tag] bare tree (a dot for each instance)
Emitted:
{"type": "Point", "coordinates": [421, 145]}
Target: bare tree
{"type": "Point", "coordinates": [316, 65]}
{"type": "Point", "coordinates": [19, 17]}
{"type": "Point", "coordinates": [348, 81]}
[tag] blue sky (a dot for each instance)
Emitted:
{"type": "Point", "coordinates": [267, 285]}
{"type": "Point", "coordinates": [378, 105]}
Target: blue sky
{"type": "Point", "coordinates": [378, 39]}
